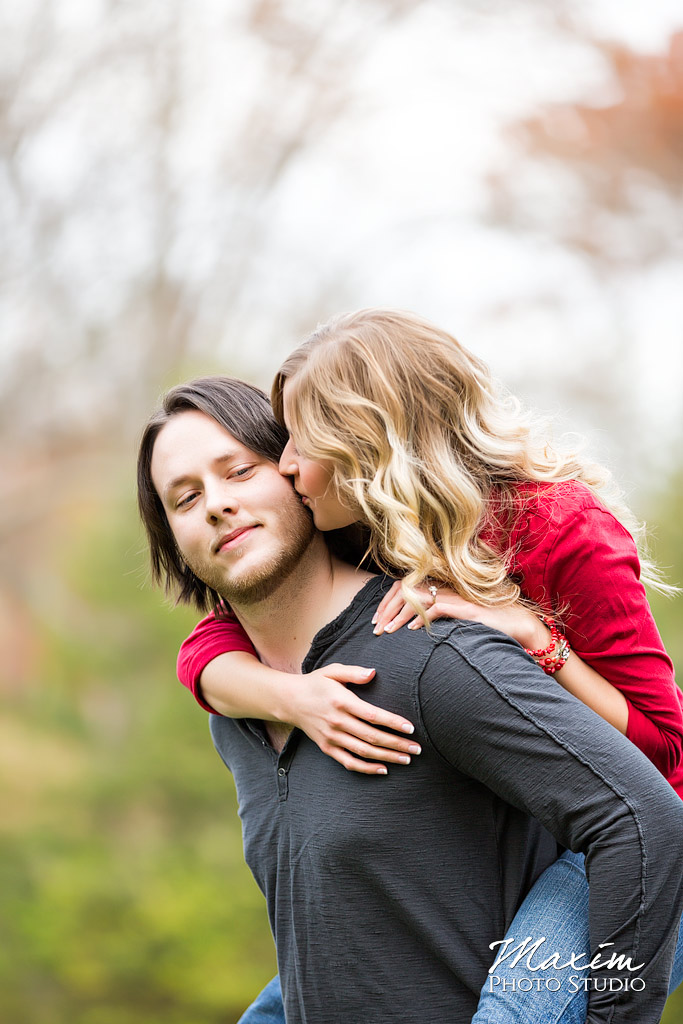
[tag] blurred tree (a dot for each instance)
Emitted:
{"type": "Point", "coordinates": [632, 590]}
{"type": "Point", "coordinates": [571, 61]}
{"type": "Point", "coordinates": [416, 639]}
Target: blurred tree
{"type": "Point", "coordinates": [141, 146]}
{"type": "Point", "coordinates": [622, 158]}
{"type": "Point", "coordinates": [603, 180]}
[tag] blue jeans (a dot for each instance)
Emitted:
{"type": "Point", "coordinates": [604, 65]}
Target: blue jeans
{"type": "Point", "coordinates": [557, 908]}
{"type": "Point", "coordinates": [268, 1008]}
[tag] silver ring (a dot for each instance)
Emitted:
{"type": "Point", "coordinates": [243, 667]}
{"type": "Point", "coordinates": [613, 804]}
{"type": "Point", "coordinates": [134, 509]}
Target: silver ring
{"type": "Point", "coordinates": [433, 591]}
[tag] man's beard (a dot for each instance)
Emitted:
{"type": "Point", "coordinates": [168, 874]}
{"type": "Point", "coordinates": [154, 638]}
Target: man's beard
{"type": "Point", "coordinates": [259, 583]}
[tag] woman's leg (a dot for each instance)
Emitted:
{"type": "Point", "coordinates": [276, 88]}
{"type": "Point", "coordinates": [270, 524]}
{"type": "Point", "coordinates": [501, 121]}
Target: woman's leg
{"type": "Point", "coordinates": [677, 969]}
{"type": "Point", "coordinates": [557, 908]}
{"type": "Point", "coordinates": [268, 1008]}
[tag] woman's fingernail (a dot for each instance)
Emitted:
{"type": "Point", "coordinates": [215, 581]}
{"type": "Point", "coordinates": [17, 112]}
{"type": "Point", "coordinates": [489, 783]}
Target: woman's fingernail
{"type": "Point", "coordinates": [374, 619]}
{"type": "Point", "coordinates": [390, 628]}
{"type": "Point", "coordinates": [377, 631]}
{"type": "Point", "coordinates": [412, 625]}
{"type": "Point", "coordinates": [381, 771]}
{"type": "Point", "coordinates": [414, 749]}
{"type": "Point", "coordinates": [407, 727]}
{"type": "Point", "coordinates": [404, 759]}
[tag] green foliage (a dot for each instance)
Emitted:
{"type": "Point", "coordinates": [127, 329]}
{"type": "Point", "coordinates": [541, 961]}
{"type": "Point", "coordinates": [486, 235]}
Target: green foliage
{"type": "Point", "coordinates": [667, 549]}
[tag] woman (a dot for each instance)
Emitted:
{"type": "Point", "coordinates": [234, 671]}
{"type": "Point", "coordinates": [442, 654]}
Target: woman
{"type": "Point", "coordinates": [393, 425]}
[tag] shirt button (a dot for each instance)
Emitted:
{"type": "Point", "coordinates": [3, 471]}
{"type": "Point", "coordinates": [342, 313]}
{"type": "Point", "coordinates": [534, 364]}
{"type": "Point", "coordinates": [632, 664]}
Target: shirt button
{"type": "Point", "coordinates": [282, 771]}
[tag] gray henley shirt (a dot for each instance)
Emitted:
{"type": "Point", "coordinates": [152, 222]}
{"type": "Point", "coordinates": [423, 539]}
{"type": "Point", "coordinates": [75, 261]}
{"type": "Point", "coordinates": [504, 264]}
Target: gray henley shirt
{"type": "Point", "coordinates": [384, 893]}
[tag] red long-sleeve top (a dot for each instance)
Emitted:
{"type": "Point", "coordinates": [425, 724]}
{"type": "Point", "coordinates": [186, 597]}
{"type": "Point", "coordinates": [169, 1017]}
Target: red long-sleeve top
{"type": "Point", "coordinates": [570, 555]}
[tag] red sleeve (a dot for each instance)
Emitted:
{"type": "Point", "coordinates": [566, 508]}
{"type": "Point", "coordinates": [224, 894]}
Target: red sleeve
{"type": "Point", "coordinates": [208, 639]}
{"type": "Point", "coordinates": [592, 568]}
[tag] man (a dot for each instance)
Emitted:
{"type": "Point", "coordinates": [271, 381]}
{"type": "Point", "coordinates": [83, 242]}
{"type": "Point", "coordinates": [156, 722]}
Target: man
{"type": "Point", "coordinates": [384, 895]}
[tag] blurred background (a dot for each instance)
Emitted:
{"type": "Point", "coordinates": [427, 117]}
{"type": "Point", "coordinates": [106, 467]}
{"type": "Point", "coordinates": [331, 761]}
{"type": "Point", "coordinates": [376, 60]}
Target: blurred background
{"type": "Point", "coordinates": [190, 188]}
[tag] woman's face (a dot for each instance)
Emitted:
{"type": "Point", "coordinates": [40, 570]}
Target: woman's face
{"type": "Point", "coordinates": [313, 481]}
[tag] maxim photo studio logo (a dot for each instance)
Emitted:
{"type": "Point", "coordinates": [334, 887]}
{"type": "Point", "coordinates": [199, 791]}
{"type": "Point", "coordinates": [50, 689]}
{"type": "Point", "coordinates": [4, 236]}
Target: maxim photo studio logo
{"type": "Point", "coordinates": [527, 959]}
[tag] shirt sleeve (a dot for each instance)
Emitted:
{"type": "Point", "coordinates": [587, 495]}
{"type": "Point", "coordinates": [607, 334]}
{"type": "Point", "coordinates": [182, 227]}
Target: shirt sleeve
{"type": "Point", "coordinates": [593, 571]}
{"type": "Point", "coordinates": [494, 715]}
{"type": "Point", "coordinates": [209, 638]}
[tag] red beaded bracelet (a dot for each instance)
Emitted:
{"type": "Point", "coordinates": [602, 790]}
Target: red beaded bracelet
{"type": "Point", "coordinates": [554, 656]}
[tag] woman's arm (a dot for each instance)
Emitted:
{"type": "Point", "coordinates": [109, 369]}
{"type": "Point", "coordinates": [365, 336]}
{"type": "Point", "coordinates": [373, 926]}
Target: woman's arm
{"type": "Point", "coordinates": [595, 692]}
{"type": "Point", "coordinates": [581, 560]}
{"type": "Point", "coordinates": [218, 663]}
{"type": "Point", "coordinates": [593, 570]}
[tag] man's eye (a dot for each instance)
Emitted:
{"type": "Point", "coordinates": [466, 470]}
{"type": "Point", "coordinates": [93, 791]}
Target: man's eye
{"type": "Point", "coordinates": [186, 500]}
{"type": "Point", "coordinates": [243, 471]}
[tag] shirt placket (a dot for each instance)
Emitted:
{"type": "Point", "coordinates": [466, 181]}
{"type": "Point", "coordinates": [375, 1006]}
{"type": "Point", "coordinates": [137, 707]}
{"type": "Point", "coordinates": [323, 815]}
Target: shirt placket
{"type": "Point", "coordinates": [283, 765]}
{"type": "Point", "coordinates": [281, 762]}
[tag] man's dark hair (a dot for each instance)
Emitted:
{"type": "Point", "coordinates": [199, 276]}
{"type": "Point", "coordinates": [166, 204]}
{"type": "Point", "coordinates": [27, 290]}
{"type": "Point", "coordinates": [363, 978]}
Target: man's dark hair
{"type": "Point", "coordinates": [245, 412]}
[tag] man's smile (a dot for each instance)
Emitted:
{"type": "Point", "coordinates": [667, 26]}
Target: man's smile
{"type": "Point", "coordinates": [231, 540]}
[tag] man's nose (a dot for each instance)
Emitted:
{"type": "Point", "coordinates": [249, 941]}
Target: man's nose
{"type": "Point", "coordinates": [288, 465]}
{"type": "Point", "coordinates": [219, 502]}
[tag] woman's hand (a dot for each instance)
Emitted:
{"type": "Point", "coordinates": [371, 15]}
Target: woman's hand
{"type": "Point", "coordinates": [345, 727]}
{"type": "Point", "coordinates": [515, 620]}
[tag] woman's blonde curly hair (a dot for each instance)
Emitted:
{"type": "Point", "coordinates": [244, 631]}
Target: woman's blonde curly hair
{"type": "Point", "coordinates": [428, 448]}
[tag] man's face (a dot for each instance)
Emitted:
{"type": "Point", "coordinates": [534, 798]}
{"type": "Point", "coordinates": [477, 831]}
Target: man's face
{"type": "Point", "coordinates": [237, 522]}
